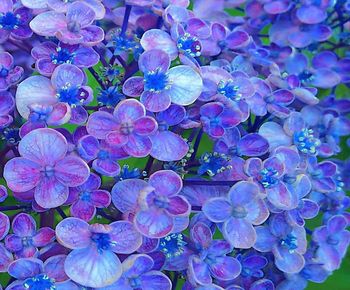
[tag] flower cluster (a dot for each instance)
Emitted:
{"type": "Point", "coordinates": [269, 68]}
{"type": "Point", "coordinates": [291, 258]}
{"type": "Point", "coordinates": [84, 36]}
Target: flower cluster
{"type": "Point", "coordinates": [173, 144]}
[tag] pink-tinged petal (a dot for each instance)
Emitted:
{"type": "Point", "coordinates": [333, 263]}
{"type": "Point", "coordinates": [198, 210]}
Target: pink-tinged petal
{"type": "Point", "coordinates": [39, 89]}
{"type": "Point", "coordinates": [129, 110]}
{"type": "Point", "coordinates": [133, 86]}
{"type": "Point", "coordinates": [14, 243]}
{"type": "Point", "coordinates": [275, 135]}
{"type": "Point", "coordinates": [21, 174]}
{"type": "Point", "coordinates": [155, 280]}
{"type": "Point", "coordinates": [91, 35]}
{"type": "Point", "coordinates": [4, 225]}
{"type": "Point", "coordinates": [280, 196]}
{"type": "Point", "coordinates": [201, 235]}
{"type": "Point", "coordinates": [243, 192]}
{"type": "Point", "coordinates": [283, 96]}
{"type": "Point", "coordinates": [288, 262]}
{"type": "Point", "coordinates": [30, 126]}
{"type": "Point", "coordinates": [186, 85]}
{"type": "Point", "coordinates": [6, 6]}
{"type": "Point", "coordinates": [83, 210]}
{"type": "Point", "coordinates": [168, 146]}
{"type": "Point", "coordinates": [145, 126]}
{"type": "Point", "coordinates": [305, 96]}
{"type": "Point", "coordinates": [50, 193]}
{"type": "Point", "coordinates": [159, 39]}
{"type": "Point", "coordinates": [101, 198]}
{"type": "Point", "coordinates": [44, 146]}
{"type": "Point", "coordinates": [117, 138]}
{"type": "Point", "coordinates": [80, 13]}
{"type": "Point", "coordinates": [5, 259]}
{"type": "Point", "coordinates": [253, 166]}
{"type": "Point", "coordinates": [48, 23]}
{"type": "Point", "coordinates": [23, 268]}
{"type": "Point", "coordinates": [166, 182]}
{"type": "Point", "coordinates": [178, 205]}
{"type": "Point", "coordinates": [7, 102]}
{"type": "Point", "coordinates": [106, 167]}
{"type": "Point", "coordinates": [237, 39]}
{"type": "Point", "coordinates": [212, 110]}
{"type": "Point", "coordinates": [199, 271]}
{"type": "Point", "coordinates": [45, 66]}
{"type": "Point", "coordinates": [329, 257]}
{"type": "Point", "coordinates": [54, 268]}
{"type": "Point", "coordinates": [73, 233]}
{"type": "Point", "coordinates": [100, 124]}
{"type": "Point", "coordinates": [239, 232]}
{"type": "Point", "coordinates": [225, 268]}
{"type": "Point", "coordinates": [276, 7]}
{"type": "Point", "coordinates": [72, 171]}
{"type": "Point", "coordinates": [43, 237]}
{"type": "Point", "coordinates": [125, 238]}
{"type": "Point", "coordinates": [217, 209]}
{"type": "Point", "coordinates": [138, 146]}
{"type": "Point", "coordinates": [34, 4]}
{"type": "Point", "coordinates": [125, 194]}
{"type": "Point", "coordinates": [156, 102]}
{"type": "Point", "coordinates": [257, 211]}
{"type": "Point", "coordinates": [153, 60]}
{"type": "Point", "coordinates": [311, 14]}
{"type": "Point", "coordinates": [153, 223]}
{"type": "Point", "coordinates": [92, 268]}
{"type": "Point", "coordinates": [23, 225]}
{"type": "Point", "coordinates": [309, 210]}
{"type": "Point", "coordinates": [325, 59]}
{"type": "Point", "coordinates": [60, 114]}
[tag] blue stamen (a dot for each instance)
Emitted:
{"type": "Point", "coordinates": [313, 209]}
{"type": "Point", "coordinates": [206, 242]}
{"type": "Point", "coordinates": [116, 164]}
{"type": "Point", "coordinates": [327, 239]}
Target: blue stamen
{"type": "Point", "coordinates": [156, 81]}
{"type": "Point", "coordinates": [172, 245]}
{"type": "Point", "coordinates": [9, 21]}
{"type": "Point", "coordinates": [40, 282]}
{"type": "Point", "coordinates": [306, 142]}
{"type": "Point", "coordinates": [268, 177]}
{"type": "Point", "coordinates": [62, 56]}
{"type": "Point", "coordinates": [189, 45]}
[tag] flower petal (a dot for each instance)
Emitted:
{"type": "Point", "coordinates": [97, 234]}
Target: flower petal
{"type": "Point", "coordinates": [166, 182]}
{"type": "Point", "coordinates": [50, 193]}
{"type": "Point", "coordinates": [153, 223]}
{"type": "Point", "coordinates": [73, 233]}
{"type": "Point", "coordinates": [125, 239]}
{"type": "Point", "coordinates": [72, 171]}
{"type": "Point", "coordinates": [240, 233]}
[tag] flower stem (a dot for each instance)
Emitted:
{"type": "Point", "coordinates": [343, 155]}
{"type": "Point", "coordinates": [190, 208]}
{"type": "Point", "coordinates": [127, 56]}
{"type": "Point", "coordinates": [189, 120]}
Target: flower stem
{"type": "Point", "coordinates": [126, 19]}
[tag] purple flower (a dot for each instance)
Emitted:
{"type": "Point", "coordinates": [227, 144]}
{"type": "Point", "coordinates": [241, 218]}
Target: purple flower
{"type": "Point", "coordinates": [9, 74]}
{"type": "Point", "coordinates": [269, 175]}
{"type": "Point", "coordinates": [161, 86]}
{"type": "Point", "coordinates": [216, 118]}
{"type": "Point", "coordinates": [5, 256]}
{"type": "Point", "coordinates": [7, 104]}
{"type": "Point", "coordinates": [4, 225]}
{"type": "Point", "coordinates": [156, 206]}
{"type": "Point", "coordinates": [26, 239]}
{"type": "Point", "coordinates": [43, 165]}
{"type": "Point", "coordinates": [67, 85]}
{"type": "Point", "coordinates": [32, 273]}
{"type": "Point", "coordinates": [14, 22]}
{"type": "Point", "coordinates": [287, 243]}
{"type": "Point", "coordinates": [138, 273]}
{"type": "Point", "coordinates": [233, 144]}
{"type": "Point", "coordinates": [322, 175]}
{"type": "Point", "coordinates": [49, 55]}
{"type": "Point", "coordinates": [87, 197]}
{"type": "Point", "coordinates": [242, 209]}
{"type": "Point", "coordinates": [42, 116]}
{"type": "Point", "coordinates": [332, 240]}
{"type": "Point", "coordinates": [211, 259]}
{"type": "Point", "coordinates": [167, 145]}
{"type": "Point", "coordinates": [104, 155]}
{"type": "Point", "coordinates": [128, 127]}
{"type": "Point", "coordinates": [92, 261]}
{"type": "Point", "coordinates": [74, 27]}
{"type": "Point", "coordinates": [264, 100]}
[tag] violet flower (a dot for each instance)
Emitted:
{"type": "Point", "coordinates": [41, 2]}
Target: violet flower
{"type": "Point", "coordinates": [43, 165]}
{"type": "Point", "coordinates": [9, 73]}
{"type": "Point", "coordinates": [7, 104]}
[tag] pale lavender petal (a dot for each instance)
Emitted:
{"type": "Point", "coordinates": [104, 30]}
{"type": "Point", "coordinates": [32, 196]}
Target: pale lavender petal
{"type": "Point", "coordinates": [225, 268]}
{"type": "Point", "coordinates": [73, 233]}
{"type": "Point", "coordinates": [217, 209]}
{"type": "Point", "coordinates": [72, 171]}
{"type": "Point", "coordinates": [50, 193]}
{"type": "Point", "coordinates": [100, 124]}
{"type": "Point", "coordinates": [124, 237]}
{"type": "Point", "coordinates": [166, 182]}
{"type": "Point", "coordinates": [240, 233]}
{"type": "Point", "coordinates": [153, 60]}
{"type": "Point", "coordinates": [23, 225]}
{"type": "Point", "coordinates": [153, 223]}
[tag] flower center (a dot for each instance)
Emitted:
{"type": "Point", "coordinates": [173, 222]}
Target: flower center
{"type": "Point", "coordinates": [3, 72]}
{"type": "Point", "coordinates": [213, 163]}
{"type": "Point", "coordinates": [189, 45]}
{"type": "Point", "coordinates": [332, 241]}
{"type": "Point", "coordinates": [9, 21]}
{"type": "Point", "coordinates": [103, 155]}
{"type": "Point", "coordinates": [290, 242]}
{"type": "Point", "coordinates": [85, 196]}
{"type": "Point", "coordinates": [229, 90]}
{"type": "Point", "coordinates": [306, 142]}
{"type": "Point", "coordinates": [40, 282]}
{"type": "Point", "coordinates": [161, 201]}
{"type": "Point", "coordinates": [172, 245]}
{"type": "Point", "coordinates": [48, 171]}
{"type": "Point", "coordinates": [305, 76]}
{"type": "Point", "coordinates": [126, 128]}
{"type": "Point", "coordinates": [156, 81]}
{"type": "Point", "coordinates": [72, 95]}
{"type": "Point", "coordinates": [110, 96]}
{"type": "Point", "coordinates": [239, 212]}
{"type": "Point", "coordinates": [62, 56]}
{"type": "Point", "coordinates": [268, 177]}
{"type": "Point", "coordinates": [74, 26]}
{"type": "Point", "coordinates": [135, 283]}
{"type": "Point", "coordinates": [27, 241]}
{"type": "Point", "coordinates": [102, 240]}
